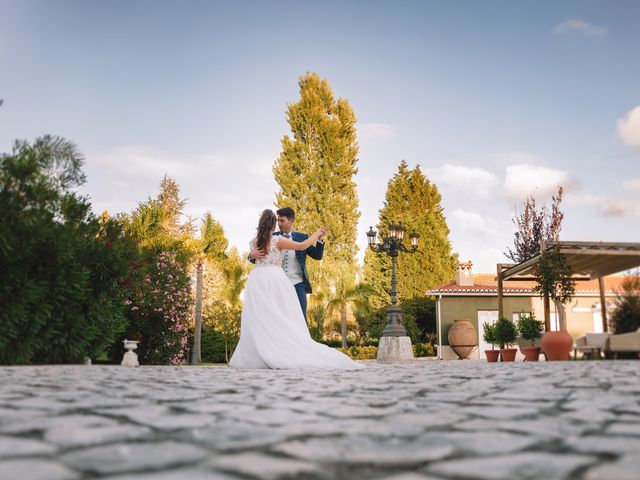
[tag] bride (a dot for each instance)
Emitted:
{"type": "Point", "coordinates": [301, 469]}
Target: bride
{"type": "Point", "coordinates": [273, 332]}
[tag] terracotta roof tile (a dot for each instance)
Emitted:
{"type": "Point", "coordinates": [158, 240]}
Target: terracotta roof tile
{"type": "Point", "coordinates": [487, 283]}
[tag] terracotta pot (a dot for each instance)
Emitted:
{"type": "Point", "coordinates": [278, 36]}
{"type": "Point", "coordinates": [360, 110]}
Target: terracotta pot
{"type": "Point", "coordinates": [508, 354]}
{"type": "Point", "coordinates": [462, 337]}
{"type": "Point", "coordinates": [492, 355]}
{"type": "Point", "coordinates": [531, 354]}
{"type": "Point", "coordinates": [557, 345]}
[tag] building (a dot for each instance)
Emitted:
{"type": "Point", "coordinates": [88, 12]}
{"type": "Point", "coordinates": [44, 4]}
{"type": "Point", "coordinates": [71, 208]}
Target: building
{"type": "Point", "coordinates": [475, 297]}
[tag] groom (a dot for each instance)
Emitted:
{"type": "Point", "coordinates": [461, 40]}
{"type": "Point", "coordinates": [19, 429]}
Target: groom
{"type": "Point", "coordinates": [294, 263]}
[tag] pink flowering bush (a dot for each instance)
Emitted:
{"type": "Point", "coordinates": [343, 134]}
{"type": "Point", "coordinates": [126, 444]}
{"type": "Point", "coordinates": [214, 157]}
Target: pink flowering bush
{"type": "Point", "coordinates": [159, 309]}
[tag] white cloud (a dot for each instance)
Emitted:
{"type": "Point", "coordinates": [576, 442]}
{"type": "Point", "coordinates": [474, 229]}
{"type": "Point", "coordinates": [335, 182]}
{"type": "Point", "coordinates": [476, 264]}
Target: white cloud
{"type": "Point", "coordinates": [580, 26]}
{"type": "Point", "coordinates": [629, 127]}
{"type": "Point", "coordinates": [579, 199]}
{"type": "Point", "coordinates": [617, 207]}
{"type": "Point", "coordinates": [376, 131]}
{"type": "Point", "coordinates": [631, 186]}
{"type": "Point", "coordinates": [476, 236]}
{"type": "Point", "coordinates": [471, 222]}
{"type": "Point", "coordinates": [473, 181]}
{"type": "Point", "coordinates": [120, 178]}
{"type": "Point", "coordinates": [525, 179]}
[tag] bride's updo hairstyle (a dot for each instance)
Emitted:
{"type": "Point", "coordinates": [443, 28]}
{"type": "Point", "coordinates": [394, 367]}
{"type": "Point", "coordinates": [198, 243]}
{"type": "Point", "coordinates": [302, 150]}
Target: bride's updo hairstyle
{"type": "Point", "coordinates": [265, 227]}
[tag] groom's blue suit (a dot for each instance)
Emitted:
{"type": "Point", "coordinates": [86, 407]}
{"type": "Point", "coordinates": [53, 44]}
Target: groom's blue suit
{"type": "Point", "coordinates": [315, 252]}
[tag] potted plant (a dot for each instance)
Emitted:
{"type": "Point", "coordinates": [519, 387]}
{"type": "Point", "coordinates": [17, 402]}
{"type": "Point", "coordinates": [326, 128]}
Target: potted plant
{"type": "Point", "coordinates": [506, 335]}
{"type": "Point", "coordinates": [530, 329]}
{"type": "Point", "coordinates": [555, 282]}
{"type": "Point", "coordinates": [489, 336]}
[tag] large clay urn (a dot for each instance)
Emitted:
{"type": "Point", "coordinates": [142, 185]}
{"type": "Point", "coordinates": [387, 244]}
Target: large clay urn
{"type": "Point", "coordinates": [462, 337]}
{"type": "Point", "coordinates": [557, 345]}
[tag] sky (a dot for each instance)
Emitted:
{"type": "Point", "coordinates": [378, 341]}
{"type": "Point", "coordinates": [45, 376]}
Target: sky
{"type": "Point", "coordinates": [494, 100]}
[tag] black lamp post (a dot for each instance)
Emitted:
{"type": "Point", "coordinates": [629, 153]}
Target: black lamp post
{"type": "Point", "coordinates": [392, 245]}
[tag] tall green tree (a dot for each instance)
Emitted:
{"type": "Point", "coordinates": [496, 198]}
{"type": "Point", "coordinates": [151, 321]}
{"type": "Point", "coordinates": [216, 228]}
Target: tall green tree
{"type": "Point", "coordinates": [411, 199]}
{"type": "Point", "coordinates": [210, 245]}
{"type": "Point", "coordinates": [315, 172]}
{"type": "Point", "coordinates": [159, 224]}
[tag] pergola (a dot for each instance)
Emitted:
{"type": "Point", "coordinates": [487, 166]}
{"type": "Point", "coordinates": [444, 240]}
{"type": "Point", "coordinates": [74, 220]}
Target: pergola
{"type": "Point", "coordinates": [588, 261]}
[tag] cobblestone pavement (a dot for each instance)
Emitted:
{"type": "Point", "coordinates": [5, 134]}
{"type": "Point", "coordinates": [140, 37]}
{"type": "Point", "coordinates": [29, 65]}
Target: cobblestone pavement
{"type": "Point", "coordinates": [416, 421]}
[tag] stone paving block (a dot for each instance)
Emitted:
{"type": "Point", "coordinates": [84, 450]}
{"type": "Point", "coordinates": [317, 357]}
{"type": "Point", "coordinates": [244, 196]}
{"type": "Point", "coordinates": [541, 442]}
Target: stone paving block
{"type": "Point", "coordinates": [12, 415]}
{"type": "Point", "coordinates": [35, 469]}
{"type": "Point", "coordinates": [20, 447]}
{"type": "Point", "coordinates": [410, 476]}
{"type": "Point", "coordinates": [363, 450]}
{"type": "Point", "coordinates": [274, 416]}
{"type": "Point", "coordinates": [590, 414]}
{"type": "Point", "coordinates": [82, 436]}
{"type": "Point", "coordinates": [134, 457]}
{"type": "Point", "coordinates": [500, 413]}
{"type": "Point", "coordinates": [604, 444]}
{"type": "Point", "coordinates": [479, 443]}
{"type": "Point", "coordinates": [543, 428]}
{"type": "Point", "coordinates": [264, 466]}
{"type": "Point", "coordinates": [626, 468]}
{"type": "Point", "coordinates": [617, 428]}
{"type": "Point", "coordinates": [40, 423]}
{"type": "Point", "coordinates": [179, 474]}
{"type": "Point", "coordinates": [161, 417]}
{"type": "Point", "coordinates": [229, 436]}
{"type": "Point", "coordinates": [526, 466]}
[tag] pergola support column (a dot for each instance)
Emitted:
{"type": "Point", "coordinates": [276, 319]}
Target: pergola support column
{"type": "Point", "coordinates": [547, 313]}
{"type": "Point", "coordinates": [500, 296]}
{"type": "Point", "coordinates": [603, 304]}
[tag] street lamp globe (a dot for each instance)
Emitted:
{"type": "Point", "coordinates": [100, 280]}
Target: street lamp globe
{"type": "Point", "coordinates": [371, 236]}
{"type": "Point", "coordinates": [414, 237]}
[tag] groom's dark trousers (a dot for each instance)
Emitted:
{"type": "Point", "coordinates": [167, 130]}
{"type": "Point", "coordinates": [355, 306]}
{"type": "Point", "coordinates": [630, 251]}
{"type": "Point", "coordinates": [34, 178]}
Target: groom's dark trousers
{"type": "Point", "coordinates": [302, 297]}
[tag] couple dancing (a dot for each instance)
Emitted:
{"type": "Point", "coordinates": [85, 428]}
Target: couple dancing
{"type": "Point", "coordinates": [273, 330]}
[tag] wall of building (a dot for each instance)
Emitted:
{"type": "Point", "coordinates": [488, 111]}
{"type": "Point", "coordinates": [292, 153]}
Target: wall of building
{"type": "Point", "coordinates": [580, 316]}
{"type": "Point", "coordinates": [454, 308]}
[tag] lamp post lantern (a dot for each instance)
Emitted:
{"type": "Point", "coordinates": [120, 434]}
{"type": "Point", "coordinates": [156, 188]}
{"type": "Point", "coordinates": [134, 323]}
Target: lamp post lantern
{"type": "Point", "coordinates": [392, 245]}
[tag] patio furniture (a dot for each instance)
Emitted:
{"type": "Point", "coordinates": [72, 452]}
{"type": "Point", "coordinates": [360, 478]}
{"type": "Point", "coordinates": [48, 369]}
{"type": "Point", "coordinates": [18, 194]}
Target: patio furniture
{"type": "Point", "coordinates": [624, 342]}
{"type": "Point", "coordinates": [591, 345]}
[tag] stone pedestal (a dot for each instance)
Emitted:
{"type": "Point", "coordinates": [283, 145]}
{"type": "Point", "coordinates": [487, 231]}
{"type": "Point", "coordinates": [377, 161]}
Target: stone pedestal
{"type": "Point", "coordinates": [130, 359]}
{"type": "Point", "coordinates": [394, 349]}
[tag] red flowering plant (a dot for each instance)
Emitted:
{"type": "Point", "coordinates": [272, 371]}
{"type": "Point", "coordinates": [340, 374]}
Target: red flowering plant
{"type": "Point", "coordinates": [159, 309]}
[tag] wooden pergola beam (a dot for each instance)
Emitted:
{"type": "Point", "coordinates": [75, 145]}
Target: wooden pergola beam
{"type": "Point", "coordinates": [597, 259]}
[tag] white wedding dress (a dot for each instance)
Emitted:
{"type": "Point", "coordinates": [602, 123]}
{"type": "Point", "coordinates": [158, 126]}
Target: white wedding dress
{"type": "Point", "coordinates": [273, 333]}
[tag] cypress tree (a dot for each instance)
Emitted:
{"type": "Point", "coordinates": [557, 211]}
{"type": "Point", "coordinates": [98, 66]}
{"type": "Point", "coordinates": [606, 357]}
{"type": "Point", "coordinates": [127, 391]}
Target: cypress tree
{"type": "Point", "coordinates": [315, 172]}
{"type": "Point", "coordinates": [411, 199]}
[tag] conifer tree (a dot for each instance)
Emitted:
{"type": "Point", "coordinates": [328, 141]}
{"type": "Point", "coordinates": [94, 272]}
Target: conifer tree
{"type": "Point", "coordinates": [315, 172]}
{"type": "Point", "coordinates": [411, 199]}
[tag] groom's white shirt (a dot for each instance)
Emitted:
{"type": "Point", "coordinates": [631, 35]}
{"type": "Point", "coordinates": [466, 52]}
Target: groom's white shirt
{"type": "Point", "coordinates": [291, 266]}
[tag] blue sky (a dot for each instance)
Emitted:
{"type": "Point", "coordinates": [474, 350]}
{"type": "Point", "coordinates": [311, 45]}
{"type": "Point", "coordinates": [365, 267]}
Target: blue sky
{"type": "Point", "coordinates": [494, 100]}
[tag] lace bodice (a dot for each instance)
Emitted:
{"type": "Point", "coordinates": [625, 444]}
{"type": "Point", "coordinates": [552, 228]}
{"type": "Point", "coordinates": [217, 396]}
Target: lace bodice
{"type": "Point", "coordinates": [274, 257]}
